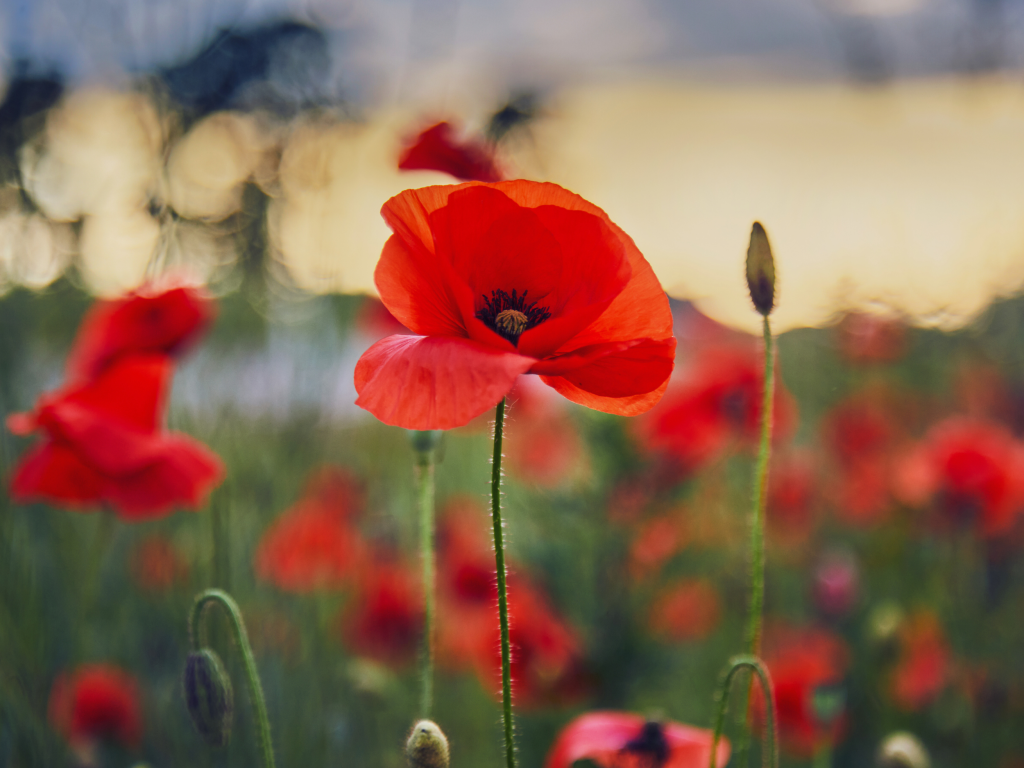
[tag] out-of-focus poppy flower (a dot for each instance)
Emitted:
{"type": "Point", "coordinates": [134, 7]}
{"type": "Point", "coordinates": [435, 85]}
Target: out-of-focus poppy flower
{"type": "Point", "coordinates": [314, 545]}
{"type": "Point", "coordinates": [657, 540]}
{"type": "Point", "coordinates": [686, 610]}
{"type": "Point", "coordinates": [792, 496]}
{"type": "Point", "coordinates": [151, 319]}
{"type": "Point", "coordinates": [924, 664]}
{"type": "Point", "coordinates": [807, 666]}
{"type": "Point", "coordinates": [865, 339]}
{"type": "Point", "coordinates": [505, 279]}
{"type": "Point", "coordinates": [836, 586]}
{"type": "Point", "coordinates": [625, 740]}
{"type": "Point", "coordinates": [717, 402]}
{"type": "Point", "coordinates": [861, 434]}
{"type": "Point", "coordinates": [543, 446]}
{"type": "Point", "coordinates": [157, 565]}
{"type": "Point", "coordinates": [385, 620]}
{"type": "Point", "coordinates": [437, 149]}
{"type": "Point", "coordinates": [970, 471]}
{"type": "Point", "coordinates": [94, 703]}
{"type": "Point", "coordinates": [105, 445]}
{"type": "Point", "coordinates": [547, 662]}
{"type": "Point", "coordinates": [375, 321]}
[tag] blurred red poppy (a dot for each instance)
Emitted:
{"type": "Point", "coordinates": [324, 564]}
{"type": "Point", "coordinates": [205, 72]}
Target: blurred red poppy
{"type": "Point", "coordinates": [375, 321]}
{"type": "Point", "coordinates": [624, 740]}
{"type": "Point", "coordinates": [924, 663]}
{"type": "Point", "coordinates": [96, 702]}
{"type": "Point", "coordinates": [686, 610]}
{"type": "Point", "coordinates": [861, 433]}
{"type": "Point", "coordinates": [807, 666]}
{"type": "Point", "coordinates": [543, 447]}
{"type": "Point", "coordinates": [792, 498]}
{"type": "Point", "coordinates": [156, 565]}
{"type": "Point", "coordinates": [657, 540]}
{"type": "Point", "coordinates": [105, 445]}
{"type": "Point", "coordinates": [547, 661]}
{"type": "Point", "coordinates": [505, 279]}
{"type": "Point", "coordinates": [436, 149]}
{"type": "Point", "coordinates": [385, 620]}
{"type": "Point", "coordinates": [971, 472]}
{"type": "Point", "coordinates": [314, 544]}
{"type": "Point", "coordinates": [152, 319]}
{"type": "Point", "coordinates": [865, 339]}
{"type": "Point", "coordinates": [716, 403]}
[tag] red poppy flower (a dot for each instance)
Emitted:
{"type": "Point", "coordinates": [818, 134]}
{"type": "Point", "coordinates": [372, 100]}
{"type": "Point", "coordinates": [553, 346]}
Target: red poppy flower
{"type": "Point", "coordinates": [436, 149]}
{"type": "Point", "coordinates": [686, 610]}
{"type": "Point", "coordinates": [807, 665]}
{"type": "Point", "coordinates": [972, 471]}
{"type": "Point", "coordinates": [505, 279]}
{"type": "Point", "coordinates": [865, 339]}
{"type": "Point", "coordinates": [157, 565]}
{"type": "Point", "coordinates": [547, 663]}
{"type": "Point", "coordinates": [95, 702]}
{"type": "Point", "coordinates": [624, 740]}
{"type": "Point", "coordinates": [150, 319]}
{"type": "Point", "coordinates": [657, 540]}
{"type": "Point", "coordinates": [105, 445]}
{"type": "Point", "coordinates": [716, 403]}
{"type": "Point", "coordinates": [924, 664]}
{"type": "Point", "coordinates": [385, 621]}
{"type": "Point", "coordinates": [314, 544]}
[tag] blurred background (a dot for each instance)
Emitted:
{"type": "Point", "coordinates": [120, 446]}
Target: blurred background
{"type": "Point", "coordinates": [250, 146]}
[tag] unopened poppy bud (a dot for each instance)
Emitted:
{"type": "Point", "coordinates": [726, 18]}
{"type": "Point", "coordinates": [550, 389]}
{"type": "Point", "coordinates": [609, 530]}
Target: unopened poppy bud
{"type": "Point", "coordinates": [902, 750]}
{"type": "Point", "coordinates": [761, 270]}
{"type": "Point", "coordinates": [424, 440]}
{"type": "Point", "coordinates": [208, 696]}
{"type": "Point", "coordinates": [427, 746]}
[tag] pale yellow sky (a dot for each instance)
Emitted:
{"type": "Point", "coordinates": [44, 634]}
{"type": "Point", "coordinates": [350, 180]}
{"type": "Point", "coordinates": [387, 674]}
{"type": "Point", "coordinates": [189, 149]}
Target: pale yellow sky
{"type": "Point", "coordinates": [907, 197]}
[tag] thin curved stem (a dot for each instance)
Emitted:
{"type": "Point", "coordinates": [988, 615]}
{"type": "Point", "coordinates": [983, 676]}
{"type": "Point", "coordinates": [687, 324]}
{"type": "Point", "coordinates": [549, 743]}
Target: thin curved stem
{"type": "Point", "coordinates": [198, 639]}
{"type": "Point", "coordinates": [499, 562]}
{"type": "Point", "coordinates": [736, 663]}
{"type": "Point", "coordinates": [755, 609]}
{"type": "Point", "coordinates": [425, 497]}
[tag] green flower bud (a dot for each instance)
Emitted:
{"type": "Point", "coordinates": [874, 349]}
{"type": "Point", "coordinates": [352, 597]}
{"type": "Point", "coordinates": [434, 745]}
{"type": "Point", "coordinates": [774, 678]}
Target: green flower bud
{"type": "Point", "coordinates": [208, 696]}
{"type": "Point", "coordinates": [424, 440]}
{"type": "Point", "coordinates": [902, 750]}
{"type": "Point", "coordinates": [761, 270]}
{"type": "Point", "coordinates": [427, 746]}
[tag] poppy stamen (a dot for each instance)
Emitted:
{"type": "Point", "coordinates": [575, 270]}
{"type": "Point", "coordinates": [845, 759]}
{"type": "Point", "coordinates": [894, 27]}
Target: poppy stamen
{"type": "Point", "coordinates": [509, 315]}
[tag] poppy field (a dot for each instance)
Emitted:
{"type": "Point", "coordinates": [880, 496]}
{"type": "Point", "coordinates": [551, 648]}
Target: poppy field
{"type": "Point", "coordinates": [147, 465]}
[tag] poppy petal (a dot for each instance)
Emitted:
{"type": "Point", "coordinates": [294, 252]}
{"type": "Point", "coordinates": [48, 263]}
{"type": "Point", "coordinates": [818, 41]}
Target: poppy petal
{"type": "Point", "coordinates": [644, 366]}
{"type": "Point", "coordinates": [434, 382]}
{"type": "Point", "coordinates": [435, 149]}
{"type": "Point", "coordinates": [53, 472]}
{"type": "Point", "coordinates": [415, 289]}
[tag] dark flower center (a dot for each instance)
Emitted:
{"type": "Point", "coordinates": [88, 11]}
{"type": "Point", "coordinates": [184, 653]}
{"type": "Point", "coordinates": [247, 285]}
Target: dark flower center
{"type": "Point", "coordinates": [509, 315]}
{"type": "Point", "coordinates": [649, 749]}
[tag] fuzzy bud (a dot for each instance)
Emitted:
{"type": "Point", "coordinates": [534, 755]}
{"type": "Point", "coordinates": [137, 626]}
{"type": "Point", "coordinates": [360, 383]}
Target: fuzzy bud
{"type": "Point", "coordinates": [427, 746]}
{"type": "Point", "coordinates": [902, 750]}
{"type": "Point", "coordinates": [761, 270]}
{"type": "Point", "coordinates": [208, 696]}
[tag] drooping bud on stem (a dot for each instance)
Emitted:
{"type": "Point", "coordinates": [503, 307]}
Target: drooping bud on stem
{"type": "Point", "coordinates": [209, 696]}
{"type": "Point", "coordinates": [902, 750]}
{"type": "Point", "coordinates": [761, 270]}
{"type": "Point", "coordinates": [427, 746]}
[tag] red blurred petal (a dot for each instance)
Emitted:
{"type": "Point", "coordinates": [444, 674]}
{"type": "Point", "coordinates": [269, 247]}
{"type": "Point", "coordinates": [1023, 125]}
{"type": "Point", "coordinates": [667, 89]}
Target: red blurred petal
{"type": "Point", "coordinates": [143, 321]}
{"type": "Point", "coordinates": [436, 150]}
{"type": "Point", "coordinates": [434, 382]}
{"type": "Point", "coordinates": [96, 701]}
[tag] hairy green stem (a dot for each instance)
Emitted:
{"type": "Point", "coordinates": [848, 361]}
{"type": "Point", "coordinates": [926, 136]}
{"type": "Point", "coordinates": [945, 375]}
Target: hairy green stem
{"type": "Point", "coordinates": [198, 639]}
{"type": "Point", "coordinates": [425, 497]}
{"type": "Point", "coordinates": [757, 515]}
{"type": "Point", "coordinates": [499, 562]}
{"type": "Point", "coordinates": [770, 758]}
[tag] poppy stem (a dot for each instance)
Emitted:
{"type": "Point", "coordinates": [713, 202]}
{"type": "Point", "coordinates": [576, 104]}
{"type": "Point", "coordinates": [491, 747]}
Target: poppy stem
{"type": "Point", "coordinates": [757, 515]}
{"type": "Point", "coordinates": [499, 562]}
{"type": "Point", "coordinates": [736, 663]}
{"type": "Point", "coordinates": [198, 640]}
{"type": "Point", "coordinates": [424, 442]}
